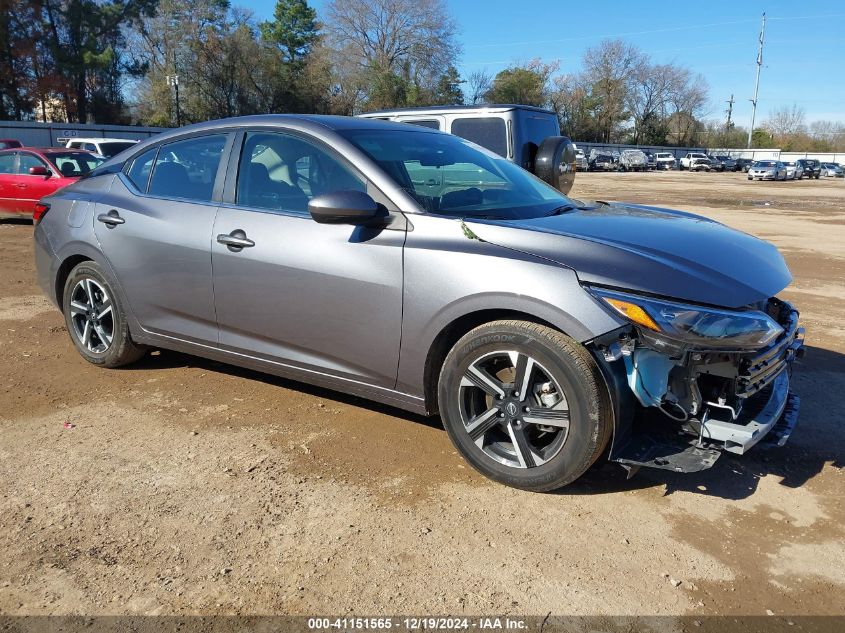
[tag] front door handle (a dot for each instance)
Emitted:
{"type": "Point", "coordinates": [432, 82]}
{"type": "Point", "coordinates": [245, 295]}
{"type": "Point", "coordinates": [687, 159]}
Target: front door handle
{"type": "Point", "coordinates": [111, 219]}
{"type": "Point", "coordinates": [235, 241]}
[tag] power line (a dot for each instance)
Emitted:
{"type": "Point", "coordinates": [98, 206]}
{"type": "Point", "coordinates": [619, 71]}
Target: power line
{"type": "Point", "coordinates": [688, 27]}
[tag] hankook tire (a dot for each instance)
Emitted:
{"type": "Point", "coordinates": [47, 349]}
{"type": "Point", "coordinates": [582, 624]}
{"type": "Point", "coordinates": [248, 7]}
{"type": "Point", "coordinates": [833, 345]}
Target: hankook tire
{"type": "Point", "coordinates": [524, 404]}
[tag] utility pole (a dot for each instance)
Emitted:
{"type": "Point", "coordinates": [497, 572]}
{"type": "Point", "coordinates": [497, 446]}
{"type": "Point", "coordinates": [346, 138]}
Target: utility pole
{"type": "Point", "coordinates": [173, 80]}
{"type": "Point", "coordinates": [757, 82]}
{"type": "Point", "coordinates": [730, 103]}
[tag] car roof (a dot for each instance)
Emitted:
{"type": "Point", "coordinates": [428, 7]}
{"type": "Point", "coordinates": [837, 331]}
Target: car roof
{"type": "Point", "coordinates": [493, 107]}
{"type": "Point", "coordinates": [46, 151]}
{"type": "Point", "coordinates": [307, 122]}
{"type": "Point", "coordinates": [100, 139]}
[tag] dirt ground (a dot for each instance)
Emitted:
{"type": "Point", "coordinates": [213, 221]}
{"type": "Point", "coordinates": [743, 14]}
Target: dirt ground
{"type": "Point", "coordinates": [188, 487]}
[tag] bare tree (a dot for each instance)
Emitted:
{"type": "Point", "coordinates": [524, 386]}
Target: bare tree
{"type": "Point", "coordinates": [688, 100]}
{"type": "Point", "coordinates": [648, 98]}
{"type": "Point", "coordinates": [391, 46]}
{"type": "Point", "coordinates": [786, 121]}
{"type": "Point", "coordinates": [478, 83]}
{"type": "Point", "coordinates": [608, 70]}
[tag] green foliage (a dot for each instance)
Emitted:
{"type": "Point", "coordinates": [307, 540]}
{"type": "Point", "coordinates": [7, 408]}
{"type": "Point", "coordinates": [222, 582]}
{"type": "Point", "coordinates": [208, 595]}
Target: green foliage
{"type": "Point", "coordinates": [293, 29]}
{"type": "Point", "coordinates": [518, 85]}
{"type": "Point", "coordinates": [448, 89]}
{"type": "Point", "coordinates": [762, 139]}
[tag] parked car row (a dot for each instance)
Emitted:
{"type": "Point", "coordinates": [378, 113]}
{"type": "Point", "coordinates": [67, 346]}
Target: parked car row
{"type": "Point", "coordinates": [796, 170]}
{"type": "Point", "coordinates": [638, 160]}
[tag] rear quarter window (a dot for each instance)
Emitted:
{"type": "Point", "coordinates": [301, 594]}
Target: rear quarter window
{"type": "Point", "coordinates": [139, 171]}
{"type": "Point", "coordinates": [489, 132]}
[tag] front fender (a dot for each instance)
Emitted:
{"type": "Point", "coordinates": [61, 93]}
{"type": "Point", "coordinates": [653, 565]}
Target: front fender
{"type": "Point", "coordinates": [451, 274]}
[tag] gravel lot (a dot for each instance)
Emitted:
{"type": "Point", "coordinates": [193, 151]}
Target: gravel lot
{"type": "Point", "coordinates": [185, 486]}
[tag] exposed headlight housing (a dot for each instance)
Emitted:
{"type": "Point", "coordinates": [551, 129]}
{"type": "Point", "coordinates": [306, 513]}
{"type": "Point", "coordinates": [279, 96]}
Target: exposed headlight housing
{"type": "Point", "coordinates": [709, 328]}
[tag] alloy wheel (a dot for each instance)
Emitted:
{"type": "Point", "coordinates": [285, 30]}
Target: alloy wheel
{"type": "Point", "coordinates": [513, 409]}
{"type": "Point", "coordinates": [92, 315]}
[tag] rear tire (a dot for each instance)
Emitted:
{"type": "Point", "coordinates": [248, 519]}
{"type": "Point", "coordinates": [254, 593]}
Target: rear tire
{"type": "Point", "coordinates": [524, 404]}
{"type": "Point", "coordinates": [96, 320]}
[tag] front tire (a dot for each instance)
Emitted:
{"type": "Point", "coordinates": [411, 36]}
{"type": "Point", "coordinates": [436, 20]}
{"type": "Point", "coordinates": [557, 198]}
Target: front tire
{"type": "Point", "coordinates": [96, 320]}
{"type": "Point", "coordinates": [524, 404]}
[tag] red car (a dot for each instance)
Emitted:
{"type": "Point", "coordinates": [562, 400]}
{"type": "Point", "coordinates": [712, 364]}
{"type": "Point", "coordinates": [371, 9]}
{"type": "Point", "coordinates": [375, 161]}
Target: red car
{"type": "Point", "coordinates": [7, 143]}
{"type": "Point", "coordinates": [28, 174]}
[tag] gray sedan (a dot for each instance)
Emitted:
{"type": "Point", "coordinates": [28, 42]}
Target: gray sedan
{"type": "Point", "coordinates": [412, 267]}
{"type": "Point", "coordinates": [767, 170]}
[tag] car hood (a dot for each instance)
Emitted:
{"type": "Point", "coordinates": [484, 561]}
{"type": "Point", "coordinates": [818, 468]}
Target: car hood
{"type": "Point", "coordinates": [650, 250]}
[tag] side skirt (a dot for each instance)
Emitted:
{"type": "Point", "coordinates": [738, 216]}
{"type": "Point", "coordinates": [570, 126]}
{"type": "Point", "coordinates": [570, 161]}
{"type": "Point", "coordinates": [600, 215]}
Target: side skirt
{"type": "Point", "coordinates": [383, 395]}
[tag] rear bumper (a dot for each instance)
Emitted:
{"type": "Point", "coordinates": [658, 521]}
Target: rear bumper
{"type": "Point", "coordinates": [45, 265]}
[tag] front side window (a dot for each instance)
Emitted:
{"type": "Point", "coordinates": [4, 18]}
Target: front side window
{"type": "Point", "coordinates": [489, 132]}
{"type": "Point", "coordinates": [27, 161]}
{"type": "Point", "coordinates": [187, 169]}
{"type": "Point", "coordinates": [283, 172]}
{"type": "Point", "coordinates": [450, 176]}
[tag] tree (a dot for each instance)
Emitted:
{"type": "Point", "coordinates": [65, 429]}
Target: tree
{"type": "Point", "coordinates": [293, 29]}
{"type": "Point", "coordinates": [647, 100]}
{"type": "Point", "coordinates": [608, 70]}
{"type": "Point", "coordinates": [687, 99]}
{"type": "Point", "coordinates": [448, 89]}
{"type": "Point", "coordinates": [386, 49]}
{"type": "Point", "coordinates": [478, 84]}
{"type": "Point", "coordinates": [83, 39]}
{"type": "Point", "coordinates": [788, 129]}
{"type": "Point", "coordinates": [526, 84]}
{"type": "Point", "coordinates": [17, 52]}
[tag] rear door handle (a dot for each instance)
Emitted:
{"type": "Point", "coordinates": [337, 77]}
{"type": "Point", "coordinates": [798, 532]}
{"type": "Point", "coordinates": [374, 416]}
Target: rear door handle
{"type": "Point", "coordinates": [112, 218]}
{"type": "Point", "coordinates": [235, 241]}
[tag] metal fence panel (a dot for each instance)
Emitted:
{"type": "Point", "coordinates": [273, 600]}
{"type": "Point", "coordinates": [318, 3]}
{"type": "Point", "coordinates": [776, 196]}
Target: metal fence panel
{"type": "Point", "coordinates": [35, 134]}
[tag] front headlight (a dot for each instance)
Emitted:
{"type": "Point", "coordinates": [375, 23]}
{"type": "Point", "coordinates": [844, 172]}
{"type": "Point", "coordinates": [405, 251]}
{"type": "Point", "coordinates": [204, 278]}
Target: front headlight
{"type": "Point", "coordinates": [694, 325]}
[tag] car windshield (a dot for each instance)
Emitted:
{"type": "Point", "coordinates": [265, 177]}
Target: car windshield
{"type": "Point", "coordinates": [74, 164]}
{"type": "Point", "coordinates": [764, 163]}
{"type": "Point", "coordinates": [114, 148]}
{"type": "Point", "coordinates": [450, 176]}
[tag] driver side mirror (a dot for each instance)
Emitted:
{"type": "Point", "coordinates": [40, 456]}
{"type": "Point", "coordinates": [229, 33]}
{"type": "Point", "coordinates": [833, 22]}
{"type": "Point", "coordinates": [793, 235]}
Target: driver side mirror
{"type": "Point", "coordinates": [345, 207]}
{"type": "Point", "coordinates": [39, 170]}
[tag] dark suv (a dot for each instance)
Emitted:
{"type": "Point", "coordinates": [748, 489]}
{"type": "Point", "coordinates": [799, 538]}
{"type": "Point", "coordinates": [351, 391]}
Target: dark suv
{"type": "Point", "coordinates": [812, 167]}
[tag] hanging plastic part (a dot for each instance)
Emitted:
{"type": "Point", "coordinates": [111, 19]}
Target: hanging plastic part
{"type": "Point", "coordinates": [648, 375]}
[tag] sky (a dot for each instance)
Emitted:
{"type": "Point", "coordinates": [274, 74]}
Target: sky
{"type": "Point", "coordinates": [803, 58]}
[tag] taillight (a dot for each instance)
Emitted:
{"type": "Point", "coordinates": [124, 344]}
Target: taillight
{"type": "Point", "coordinates": [40, 211]}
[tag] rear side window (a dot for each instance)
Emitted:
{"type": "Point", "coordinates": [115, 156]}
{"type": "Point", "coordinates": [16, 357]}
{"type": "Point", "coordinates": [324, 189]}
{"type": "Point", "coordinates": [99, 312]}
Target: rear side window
{"type": "Point", "coordinates": [433, 124]}
{"type": "Point", "coordinates": [489, 132]}
{"type": "Point", "coordinates": [7, 163]}
{"type": "Point", "coordinates": [139, 172]}
{"type": "Point", "coordinates": [187, 169]}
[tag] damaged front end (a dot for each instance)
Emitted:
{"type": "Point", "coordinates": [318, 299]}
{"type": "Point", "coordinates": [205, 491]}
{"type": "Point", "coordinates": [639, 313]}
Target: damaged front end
{"type": "Point", "coordinates": [691, 381]}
